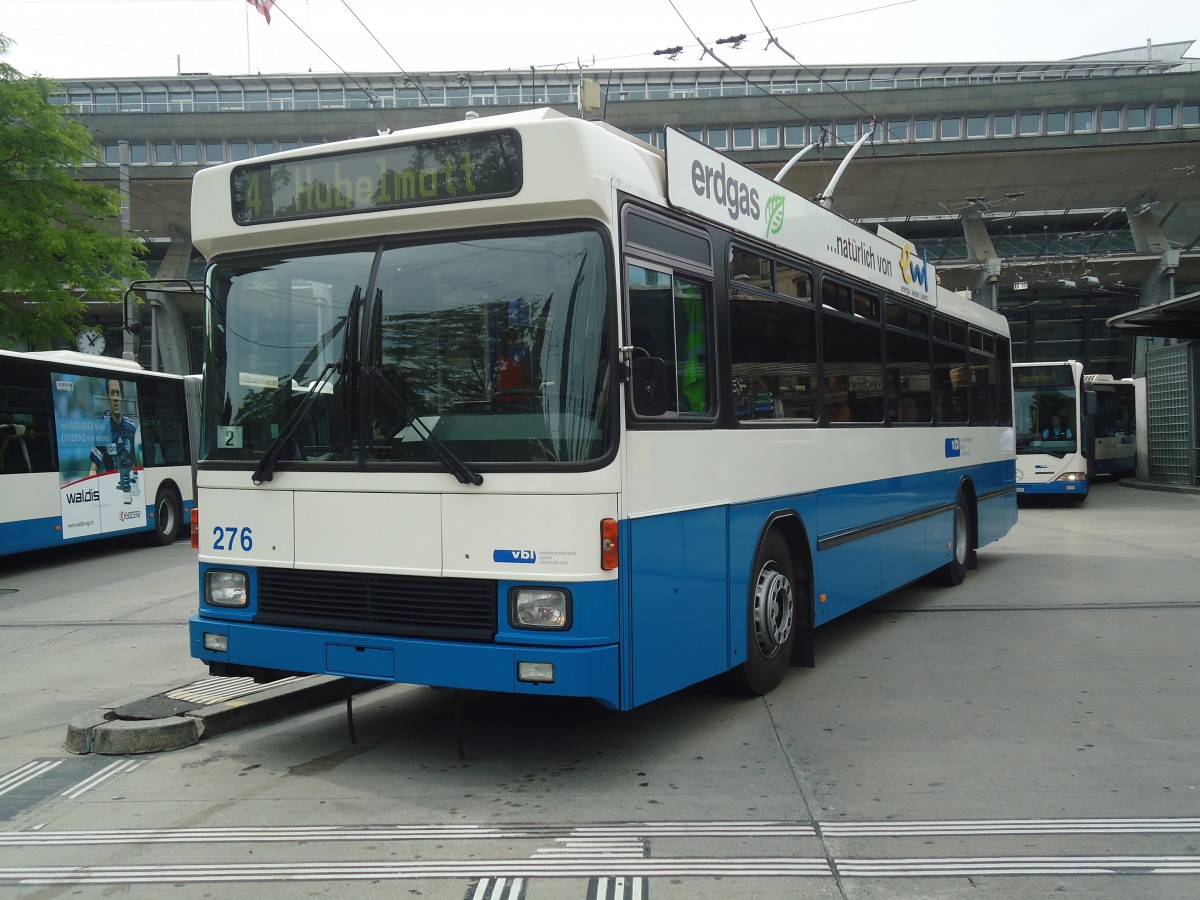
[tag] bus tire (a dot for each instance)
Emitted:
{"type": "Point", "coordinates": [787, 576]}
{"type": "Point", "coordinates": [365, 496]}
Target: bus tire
{"type": "Point", "coordinates": [771, 618]}
{"type": "Point", "coordinates": [168, 516]}
{"type": "Point", "coordinates": [953, 572]}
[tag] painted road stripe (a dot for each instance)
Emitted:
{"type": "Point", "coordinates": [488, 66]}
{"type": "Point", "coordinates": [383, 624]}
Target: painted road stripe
{"type": "Point", "coordinates": [27, 773]}
{"type": "Point", "coordinates": [259, 835]}
{"type": "Point", "coordinates": [78, 790]}
{"type": "Point", "coordinates": [755, 867]}
{"type": "Point", "coordinates": [630, 831]}
{"type": "Point", "coordinates": [1011, 826]}
{"type": "Point", "coordinates": [220, 689]}
{"type": "Point", "coordinates": [1019, 865]}
{"type": "Point", "coordinates": [499, 889]}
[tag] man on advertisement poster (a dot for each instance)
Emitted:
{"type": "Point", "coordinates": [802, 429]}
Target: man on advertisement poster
{"type": "Point", "coordinates": [117, 443]}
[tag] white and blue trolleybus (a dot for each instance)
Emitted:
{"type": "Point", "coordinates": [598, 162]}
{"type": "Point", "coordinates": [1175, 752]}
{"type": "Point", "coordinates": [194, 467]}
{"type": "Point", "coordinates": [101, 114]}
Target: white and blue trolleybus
{"type": "Point", "coordinates": [91, 447]}
{"type": "Point", "coordinates": [523, 404]}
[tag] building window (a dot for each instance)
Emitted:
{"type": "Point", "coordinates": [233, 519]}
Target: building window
{"type": "Point", "coordinates": [897, 131]}
{"type": "Point", "coordinates": [977, 127]}
{"type": "Point", "coordinates": [238, 150]}
{"type": "Point", "coordinates": [214, 152]}
{"type": "Point", "coordinates": [923, 129]}
{"type": "Point", "coordinates": [950, 128]}
{"type": "Point", "coordinates": [794, 135]}
{"type": "Point", "coordinates": [696, 134]}
{"type": "Point", "coordinates": [845, 132]}
{"type": "Point", "coordinates": [1031, 124]}
{"type": "Point", "coordinates": [768, 137]}
{"type": "Point", "coordinates": [1164, 115]}
{"type": "Point", "coordinates": [1190, 114]}
{"type": "Point", "coordinates": [139, 154]}
{"type": "Point", "coordinates": [718, 138]}
{"type": "Point", "coordinates": [130, 101]}
{"type": "Point", "coordinates": [206, 101]}
{"type": "Point", "coordinates": [112, 154]}
{"type": "Point", "coordinates": [1083, 121]}
{"type": "Point", "coordinates": [1056, 122]}
{"type": "Point", "coordinates": [262, 148]}
{"type": "Point", "coordinates": [332, 98]}
{"type": "Point", "coordinates": [1136, 117]}
{"type": "Point", "coordinates": [1003, 125]}
{"type": "Point", "coordinates": [230, 99]}
{"type": "Point", "coordinates": [156, 101]}
{"type": "Point", "coordinates": [189, 153]}
{"type": "Point", "coordinates": [306, 98]}
{"type": "Point", "coordinates": [164, 154]}
{"type": "Point", "coordinates": [743, 138]}
{"type": "Point", "coordinates": [1110, 119]}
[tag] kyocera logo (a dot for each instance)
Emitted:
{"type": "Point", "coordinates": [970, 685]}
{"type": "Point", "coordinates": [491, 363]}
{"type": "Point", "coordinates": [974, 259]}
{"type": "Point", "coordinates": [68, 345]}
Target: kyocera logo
{"type": "Point", "coordinates": [91, 495]}
{"type": "Point", "coordinates": [737, 198]}
{"type": "Point", "coordinates": [514, 556]}
{"type": "Point", "coordinates": [129, 515]}
{"type": "Point", "coordinates": [914, 271]}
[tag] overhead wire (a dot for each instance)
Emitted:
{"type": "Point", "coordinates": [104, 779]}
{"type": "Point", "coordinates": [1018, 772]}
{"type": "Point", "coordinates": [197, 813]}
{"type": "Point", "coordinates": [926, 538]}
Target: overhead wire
{"type": "Point", "coordinates": [416, 83]}
{"type": "Point", "coordinates": [276, 7]}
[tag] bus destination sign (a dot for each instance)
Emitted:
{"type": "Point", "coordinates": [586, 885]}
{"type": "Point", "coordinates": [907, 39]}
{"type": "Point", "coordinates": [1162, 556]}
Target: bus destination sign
{"type": "Point", "coordinates": [1043, 376]}
{"type": "Point", "coordinates": [393, 176]}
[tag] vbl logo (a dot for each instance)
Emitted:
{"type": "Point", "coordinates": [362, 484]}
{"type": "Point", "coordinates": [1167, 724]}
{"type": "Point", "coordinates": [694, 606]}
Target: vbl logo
{"type": "Point", "coordinates": [514, 556]}
{"type": "Point", "coordinates": [953, 448]}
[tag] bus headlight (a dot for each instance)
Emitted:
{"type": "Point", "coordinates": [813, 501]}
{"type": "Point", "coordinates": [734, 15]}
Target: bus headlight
{"type": "Point", "coordinates": [225, 588]}
{"type": "Point", "coordinates": [1071, 476]}
{"type": "Point", "coordinates": [530, 607]}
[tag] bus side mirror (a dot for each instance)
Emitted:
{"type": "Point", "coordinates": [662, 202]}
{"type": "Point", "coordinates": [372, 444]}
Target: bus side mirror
{"type": "Point", "coordinates": [648, 386]}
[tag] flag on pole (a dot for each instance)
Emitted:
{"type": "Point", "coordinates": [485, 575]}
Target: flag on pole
{"type": "Point", "coordinates": [264, 7]}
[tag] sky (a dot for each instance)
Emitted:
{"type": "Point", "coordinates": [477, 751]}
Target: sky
{"type": "Point", "coordinates": [67, 39]}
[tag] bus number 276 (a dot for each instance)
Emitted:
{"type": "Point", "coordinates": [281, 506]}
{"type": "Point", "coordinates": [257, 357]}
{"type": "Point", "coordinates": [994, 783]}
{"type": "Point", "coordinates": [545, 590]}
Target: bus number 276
{"type": "Point", "coordinates": [228, 538]}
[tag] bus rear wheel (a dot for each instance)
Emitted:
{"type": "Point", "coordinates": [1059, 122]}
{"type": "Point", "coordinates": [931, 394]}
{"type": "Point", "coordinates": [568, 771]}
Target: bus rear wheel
{"type": "Point", "coordinates": [168, 513]}
{"type": "Point", "coordinates": [772, 618]}
{"type": "Point", "coordinates": [953, 572]}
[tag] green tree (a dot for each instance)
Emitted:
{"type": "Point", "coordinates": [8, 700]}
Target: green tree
{"type": "Point", "coordinates": [60, 238]}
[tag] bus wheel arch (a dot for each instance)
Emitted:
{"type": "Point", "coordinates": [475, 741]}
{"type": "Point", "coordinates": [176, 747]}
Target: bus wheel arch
{"type": "Point", "coordinates": [778, 607]}
{"type": "Point", "coordinates": [168, 514]}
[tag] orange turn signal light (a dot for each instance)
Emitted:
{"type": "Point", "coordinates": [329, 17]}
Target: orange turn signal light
{"type": "Point", "coordinates": [608, 544]}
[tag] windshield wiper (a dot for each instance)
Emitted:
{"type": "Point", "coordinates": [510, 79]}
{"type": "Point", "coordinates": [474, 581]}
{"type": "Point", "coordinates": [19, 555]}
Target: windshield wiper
{"type": "Point", "coordinates": [459, 469]}
{"type": "Point", "coordinates": [265, 469]}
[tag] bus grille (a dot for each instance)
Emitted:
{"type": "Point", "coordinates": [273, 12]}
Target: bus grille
{"type": "Point", "coordinates": [460, 609]}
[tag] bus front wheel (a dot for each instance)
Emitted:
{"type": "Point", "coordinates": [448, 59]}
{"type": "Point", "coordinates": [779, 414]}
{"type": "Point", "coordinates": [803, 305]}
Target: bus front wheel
{"type": "Point", "coordinates": [772, 618]}
{"type": "Point", "coordinates": [168, 513]}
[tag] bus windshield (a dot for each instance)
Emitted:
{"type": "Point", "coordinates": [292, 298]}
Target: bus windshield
{"type": "Point", "coordinates": [495, 346]}
{"type": "Point", "coordinates": [1045, 401]}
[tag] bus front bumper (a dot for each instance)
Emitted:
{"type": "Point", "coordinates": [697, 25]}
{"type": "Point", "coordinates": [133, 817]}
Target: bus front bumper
{"type": "Point", "coordinates": [591, 672]}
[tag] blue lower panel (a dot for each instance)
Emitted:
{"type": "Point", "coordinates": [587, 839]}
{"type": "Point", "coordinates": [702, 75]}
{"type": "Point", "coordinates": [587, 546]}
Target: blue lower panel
{"type": "Point", "coordinates": [578, 671]}
{"type": "Point", "coordinates": [33, 534]}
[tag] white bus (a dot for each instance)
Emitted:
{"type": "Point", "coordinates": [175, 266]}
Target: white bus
{"type": "Point", "coordinates": [524, 404]}
{"type": "Point", "coordinates": [1112, 434]}
{"type": "Point", "coordinates": [1050, 409]}
{"type": "Point", "coordinates": [91, 447]}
